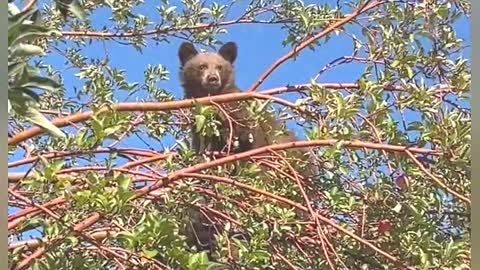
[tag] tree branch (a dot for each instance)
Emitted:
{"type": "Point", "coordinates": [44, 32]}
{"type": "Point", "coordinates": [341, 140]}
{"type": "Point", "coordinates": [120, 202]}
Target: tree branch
{"type": "Point", "coordinates": [309, 41]}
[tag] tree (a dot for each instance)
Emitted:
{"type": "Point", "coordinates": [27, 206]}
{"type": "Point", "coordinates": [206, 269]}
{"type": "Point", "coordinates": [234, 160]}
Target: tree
{"type": "Point", "coordinates": [123, 190]}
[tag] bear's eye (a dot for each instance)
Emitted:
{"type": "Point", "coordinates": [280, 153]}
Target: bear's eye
{"type": "Point", "coordinates": [203, 67]}
{"type": "Point", "coordinates": [219, 67]}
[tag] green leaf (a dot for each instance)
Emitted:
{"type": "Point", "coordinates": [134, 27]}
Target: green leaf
{"type": "Point", "coordinates": [57, 165]}
{"type": "Point", "coordinates": [24, 74]}
{"type": "Point", "coordinates": [24, 50]}
{"type": "Point", "coordinates": [78, 10]}
{"type": "Point", "coordinates": [28, 32]}
{"type": "Point", "coordinates": [196, 261]}
{"type": "Point", "coordinates": [343, 170]}
{"type": "Point", "coordinates": [129, 239]}
{"type": "Point", "coordinates": [25, 105]}
{"type": "Point", "coordinates": [339, 104]}
{"type": "Point", "coordinates": [124, 182]}
{"type": "Point", "coordinates": [37, 118]}
{"type": "Point", "coordinates": [304, 19]}
{"type": "Point", "coordinates": [109, 3]}
{"type": "Point", "coordinates": [97, 125]}
{"type": "Point", "coordinates": [150, 253]}
{"type": "Point", "coordinates": [23, 97]}
{"type": "Point", "coordinates": [73, 241]}
{"type": "Point", "coordinates": [409, 72]}
{"type": "Point", "coordinates": [73, 6]}
{"type": "Point", "coordinates": [42, 83]}
{"type": "Point", "coordinates": [200, 122]}
{"type": "Point", "coordinates": [395, 64]}
{"type": "Point", "coordinates": [15, 68]}
{"type": "Point", "coordinates": [17, 19]}
{"type": "Point", "coordinates": [263, 105]}
{"type": "Point", "coordinates": [13, 9]}
{"type": "Point", "coordinates": [397, 208]}
{"type": "Point", "coordinates": [111, 130]}
{"type": "Point", "coordinates": [127, 196]}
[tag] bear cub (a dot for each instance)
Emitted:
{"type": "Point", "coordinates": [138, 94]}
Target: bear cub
{"type": "Point", "coordinates": [209, 74]}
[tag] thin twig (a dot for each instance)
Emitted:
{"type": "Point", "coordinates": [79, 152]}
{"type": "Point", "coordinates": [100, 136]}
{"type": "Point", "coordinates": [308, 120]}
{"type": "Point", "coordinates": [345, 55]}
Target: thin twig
{"type": "Point", "coordinates": [435, 179]}
{"type": "Point", "coordinates": [309, 41]}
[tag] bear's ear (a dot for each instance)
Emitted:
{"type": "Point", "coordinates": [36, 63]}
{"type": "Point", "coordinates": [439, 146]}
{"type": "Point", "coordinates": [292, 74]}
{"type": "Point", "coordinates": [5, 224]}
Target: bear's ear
{"type": "Point", "coordinates": [229, 51]}
{"type": "Point", "coordinates": [186, 52]}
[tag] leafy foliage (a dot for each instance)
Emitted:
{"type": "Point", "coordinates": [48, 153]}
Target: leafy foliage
{"type": "Point", "coordinates": [22, 77]}
{"type": "Point", "coordinates": [123, 190]}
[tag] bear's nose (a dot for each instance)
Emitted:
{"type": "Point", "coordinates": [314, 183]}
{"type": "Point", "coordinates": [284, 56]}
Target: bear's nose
{"type": "Point", "coordinates": [212, 79]}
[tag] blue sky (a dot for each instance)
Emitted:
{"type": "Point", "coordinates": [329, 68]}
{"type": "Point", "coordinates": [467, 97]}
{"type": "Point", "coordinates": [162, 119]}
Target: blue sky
{"type": "Point", "coordinates": [259, 47]}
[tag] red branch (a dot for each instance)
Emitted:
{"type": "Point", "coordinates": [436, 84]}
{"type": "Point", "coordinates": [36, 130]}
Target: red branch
{"type": "Point", "coordinates": [309, 41]}
{"type": "Point", "coordinates": [190, 172]}
{"type": "Point", "coordinates": [176, 175]}
{"type": "Point", "coordinates": [325, 220]}
{"type": "Point", "coordinates": [436, 180]}
{"type": "Point", "coordinates": [130, 107]}
{"type": "Point", "coordinates": [52, 155]}
{"type": "Point", "coordinates": [163, 31]}
{"type": "Point", "coordinates": [179, 104]}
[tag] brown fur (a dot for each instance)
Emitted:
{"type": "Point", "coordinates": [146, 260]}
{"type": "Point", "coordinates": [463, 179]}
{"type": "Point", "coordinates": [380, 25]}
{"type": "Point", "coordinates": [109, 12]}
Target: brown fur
{"type": "Point", "coordinates": [208, 74]}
